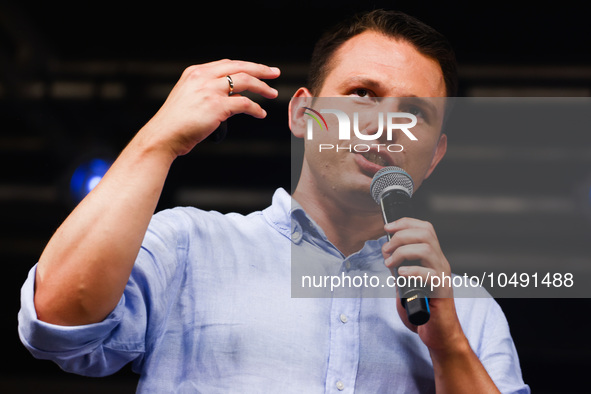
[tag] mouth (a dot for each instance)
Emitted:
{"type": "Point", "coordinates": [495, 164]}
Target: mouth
{"type": "Point", "coordinates": [375, 158]}
{"type": "Point", "coordinates": [372, 161]}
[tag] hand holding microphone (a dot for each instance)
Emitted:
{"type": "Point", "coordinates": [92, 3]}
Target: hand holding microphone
{"type": "Point", "coordinates": [412, 249]}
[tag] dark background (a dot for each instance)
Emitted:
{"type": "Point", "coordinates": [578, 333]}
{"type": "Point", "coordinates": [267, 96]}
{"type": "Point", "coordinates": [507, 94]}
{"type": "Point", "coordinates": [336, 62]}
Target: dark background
{"type": "Point", "coordinates": [77, 82]}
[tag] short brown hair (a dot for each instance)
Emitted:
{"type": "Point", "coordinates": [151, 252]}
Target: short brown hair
{"type": "Point", "coordinates": [394, 24]}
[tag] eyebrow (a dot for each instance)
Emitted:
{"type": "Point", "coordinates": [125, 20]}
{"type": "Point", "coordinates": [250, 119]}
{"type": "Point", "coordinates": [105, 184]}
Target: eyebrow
{"type": "Point", "coordinates": [356, 80]}
{"type": "Point", "coordinates": [377, 85]}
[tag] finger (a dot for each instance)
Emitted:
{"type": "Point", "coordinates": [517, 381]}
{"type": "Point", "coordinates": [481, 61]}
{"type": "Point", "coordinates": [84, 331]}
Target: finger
{"type": "Point", "coordinates": [430, 280]}
{"type": "Point", "coordinates": [221, 68]}
{"type": "Point", "coordinates": [406, 237]}
{"type": "Point", "coordinates": [238, 104]}
{"type": "Point", "coordinates": [421, 252]}
{"type": "Point", "coordinates": [418, 276]}
{"type": "Point", "coordinates": [417, 270]}
{"type": "Point", "coordinates": [245, 82]}
{"type": "Point", "coordinates": [405, 223]}
{"type": "Point", "coordinates": [229, 67]}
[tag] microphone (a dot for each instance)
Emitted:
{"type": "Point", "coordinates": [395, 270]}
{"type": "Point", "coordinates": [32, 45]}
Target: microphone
{"type": "Point", "coordinates": [392, 189]}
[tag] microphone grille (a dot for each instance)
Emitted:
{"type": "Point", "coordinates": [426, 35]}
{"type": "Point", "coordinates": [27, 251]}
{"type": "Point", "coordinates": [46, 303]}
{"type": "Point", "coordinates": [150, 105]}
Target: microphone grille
{"type": "Point", "coordinates": [390, 176]}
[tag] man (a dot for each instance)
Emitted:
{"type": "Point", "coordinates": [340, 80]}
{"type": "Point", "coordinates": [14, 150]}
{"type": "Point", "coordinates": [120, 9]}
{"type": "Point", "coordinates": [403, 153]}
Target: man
{"type": "Point", "coordinates": [200, 302]}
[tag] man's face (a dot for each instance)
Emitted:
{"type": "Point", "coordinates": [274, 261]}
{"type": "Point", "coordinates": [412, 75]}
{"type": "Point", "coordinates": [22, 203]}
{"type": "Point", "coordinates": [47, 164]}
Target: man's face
{"type": "Point", "coordinates": [374, 65]}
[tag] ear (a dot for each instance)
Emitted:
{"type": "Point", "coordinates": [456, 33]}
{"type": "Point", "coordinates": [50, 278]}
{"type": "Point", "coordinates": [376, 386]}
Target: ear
{"type": "Point", "coordinates": [439, 153]}
{"type": "Point", "coordinates": [297, 124]}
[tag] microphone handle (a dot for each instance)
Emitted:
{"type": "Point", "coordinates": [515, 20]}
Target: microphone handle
{"type": "Point", "coordinates": [396, 204]}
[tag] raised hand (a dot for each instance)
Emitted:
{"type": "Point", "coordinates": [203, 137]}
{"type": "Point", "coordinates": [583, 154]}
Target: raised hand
{"type": "Point", "coordinates": [200, 101]}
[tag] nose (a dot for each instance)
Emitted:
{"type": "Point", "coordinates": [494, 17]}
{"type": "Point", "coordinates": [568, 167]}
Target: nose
{"type": "Point", "coordinates": [369, 125]}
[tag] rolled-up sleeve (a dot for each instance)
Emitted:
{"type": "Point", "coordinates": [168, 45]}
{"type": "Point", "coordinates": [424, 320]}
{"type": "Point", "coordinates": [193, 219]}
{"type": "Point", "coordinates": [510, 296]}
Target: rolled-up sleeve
{"type": "Point", "coordinates": [102, 348]}
{"type": "Point", "coordinates": [97, 349]}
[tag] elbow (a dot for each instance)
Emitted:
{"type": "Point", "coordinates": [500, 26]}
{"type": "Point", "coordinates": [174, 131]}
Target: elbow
{"type": "Point", "coordinates": [63, 306]}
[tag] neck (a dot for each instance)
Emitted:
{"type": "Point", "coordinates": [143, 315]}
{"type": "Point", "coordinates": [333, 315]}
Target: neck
{"type": "Point", "coordinates": [347, 224]}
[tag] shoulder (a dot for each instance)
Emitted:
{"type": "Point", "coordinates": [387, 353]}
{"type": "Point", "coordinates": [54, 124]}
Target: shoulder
{"type": "Point", "coordinates": [478, 310]}
{"type": "Point", "coordinates": [197, 222]}
{"type": "Point", "coordinates": [484, 324]}
{"type": "Point", "coordinates": [486, 327]}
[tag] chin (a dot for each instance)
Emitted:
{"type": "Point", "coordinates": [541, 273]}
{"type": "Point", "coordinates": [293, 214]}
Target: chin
{"type": "Point", "coordinates": [357, 194]}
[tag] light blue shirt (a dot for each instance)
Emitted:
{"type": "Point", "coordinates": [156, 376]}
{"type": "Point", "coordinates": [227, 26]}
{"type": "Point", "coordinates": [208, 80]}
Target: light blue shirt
{"type": "Point", "coordinates": [208, 309]}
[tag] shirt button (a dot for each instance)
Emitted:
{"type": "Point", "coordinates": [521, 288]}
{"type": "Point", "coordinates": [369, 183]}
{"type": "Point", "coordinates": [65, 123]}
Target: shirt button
{"type": "Point", "coordinates": [348, 265]}
{"type": "Point", "coordinates": [343, 318]}
{"type": "Point", "coordinates": [340, 385]}
{"type": "Point", "coordinates": [296, 236]}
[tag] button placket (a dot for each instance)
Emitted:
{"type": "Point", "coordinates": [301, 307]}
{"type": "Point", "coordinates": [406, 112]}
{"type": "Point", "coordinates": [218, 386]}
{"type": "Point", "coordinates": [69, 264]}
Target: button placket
{"type": "Point", "coordinates": [344, 350]}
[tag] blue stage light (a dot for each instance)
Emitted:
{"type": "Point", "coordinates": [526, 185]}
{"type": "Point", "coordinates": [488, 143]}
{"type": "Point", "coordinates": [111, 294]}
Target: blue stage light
{"type": "Point", "coordinates": [87, 176]}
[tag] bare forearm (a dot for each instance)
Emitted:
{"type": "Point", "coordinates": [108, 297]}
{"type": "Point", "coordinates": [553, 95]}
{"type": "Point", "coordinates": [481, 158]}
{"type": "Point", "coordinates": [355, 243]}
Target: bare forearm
{"type": "Point", "coordinates": [83, 270]}
{"type": "Point", "coordinates": [459, 370]}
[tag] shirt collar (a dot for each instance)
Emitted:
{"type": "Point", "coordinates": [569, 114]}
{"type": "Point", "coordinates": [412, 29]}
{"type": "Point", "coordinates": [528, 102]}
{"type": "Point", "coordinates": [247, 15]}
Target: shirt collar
{"type": "Point", "coordinates": [278, 213]}
{"type": "Point", "coordinates": [290, 219]}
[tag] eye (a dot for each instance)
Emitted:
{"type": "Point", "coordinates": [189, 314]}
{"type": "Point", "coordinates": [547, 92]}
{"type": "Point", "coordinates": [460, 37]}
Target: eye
{"type": "Point", "coordinates": [416, 111]}
{"type": "Point", "coordinates": [361, 92]}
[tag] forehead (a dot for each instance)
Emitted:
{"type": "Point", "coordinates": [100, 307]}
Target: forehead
{"type": "Point", "coordinates": [394, 64]}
